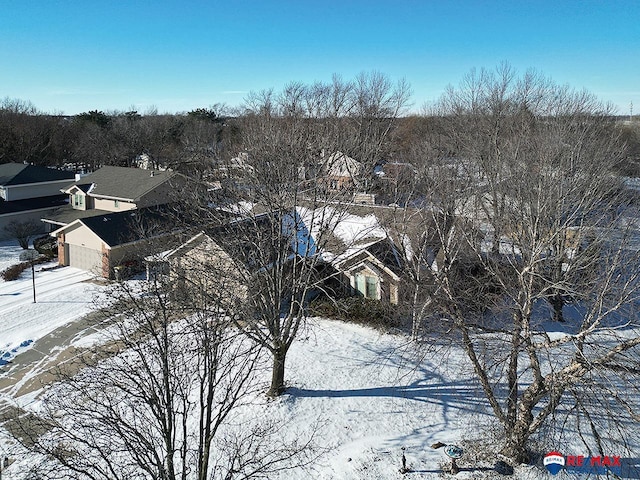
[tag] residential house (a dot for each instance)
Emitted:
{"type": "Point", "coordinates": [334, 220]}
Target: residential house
{"type": "Point", "coordinates": [101, 243]}
{"type": "Point", "coordinates": [117, 189]}
{"type": "Point", "coordinates": [199, 268]}
{"type": "Point", "coordinates": [372, 270]}
{"type": "Point", "coordinates": [377, 246]}
{"type": "Point", "coordinates": [114, 189]}
{"type": "Point", "coordinates": [342, 171]}
{"type": "Point", "coordinates": [27, 192]}
{"type": "Point", "coordinates": [360, 254]}
{"type": "Point", "coordinates": [399, 173]}
{"type": "Point", "coordinates": [351, 251]}
{"type": "Point", "coordinates": [228, 258]}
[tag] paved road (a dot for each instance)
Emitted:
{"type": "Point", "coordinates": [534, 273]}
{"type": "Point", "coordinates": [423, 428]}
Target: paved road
{"type": "Point", "coordinates": [37, 366]}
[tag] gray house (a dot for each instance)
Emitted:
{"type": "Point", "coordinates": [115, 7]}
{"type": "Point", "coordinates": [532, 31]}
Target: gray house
{"type": "Point", "coordinates": [29, 192]}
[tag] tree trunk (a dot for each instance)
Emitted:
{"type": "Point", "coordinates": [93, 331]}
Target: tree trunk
{"type": "Point", "coordinates": [277, 373]}
{"type": "Point", "coordinates": [515, 446]}
{"type": "Point", "coordinates": [517, 437]}
{"type": "Point", "coordinates": [415, 320]}
{"type": "Point", "coordinates": [557, 302]}
{"type": "Point", "coordinates": [512, 370]}
{"type": "Point", "coordinates": [518, 434]}
{"type": "Point", "coordinates": [515, 449]}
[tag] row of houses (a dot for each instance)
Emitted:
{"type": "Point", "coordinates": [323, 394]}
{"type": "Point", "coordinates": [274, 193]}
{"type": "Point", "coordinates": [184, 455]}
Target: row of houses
{"type": "Point", "coordinates": [99, 219]}
{"type": "Point", "coordinates": [116, 216]}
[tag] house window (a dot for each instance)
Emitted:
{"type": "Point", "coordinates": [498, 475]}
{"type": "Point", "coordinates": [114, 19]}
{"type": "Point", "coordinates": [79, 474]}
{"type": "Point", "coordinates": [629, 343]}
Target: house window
{"type": "Point", "coordinates": [371, 287]}
{"type": "Point", "coordinates": [78, 200]}
{"type": "Point", "coordinates": [367, 285]}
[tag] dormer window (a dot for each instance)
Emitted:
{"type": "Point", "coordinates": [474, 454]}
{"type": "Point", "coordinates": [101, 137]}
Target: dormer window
{"type": "Point", "coordinates": [78, 201]}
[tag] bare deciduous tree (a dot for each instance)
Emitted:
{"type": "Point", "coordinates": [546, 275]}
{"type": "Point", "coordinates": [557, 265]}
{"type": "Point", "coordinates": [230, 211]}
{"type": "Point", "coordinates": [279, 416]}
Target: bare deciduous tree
{"type": "Point", "coordinates": [154, 402]}
{"type": "Point", "coordinates": [543, 212]}
{"type": "Point", "coordinates": [23, 231]}
{"type": "Point", "coordinates": [292, 141]}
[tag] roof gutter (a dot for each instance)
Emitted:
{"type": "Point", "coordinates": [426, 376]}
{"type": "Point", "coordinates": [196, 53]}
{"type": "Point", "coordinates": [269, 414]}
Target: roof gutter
{"type": "Point", "coordinates": [109, 197]}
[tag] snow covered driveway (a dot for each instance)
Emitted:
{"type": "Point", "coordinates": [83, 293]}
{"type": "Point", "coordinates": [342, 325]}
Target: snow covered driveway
{"type": "Point", "coordinates": [62, 295]}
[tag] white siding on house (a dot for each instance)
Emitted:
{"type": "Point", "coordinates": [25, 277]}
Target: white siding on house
{"type": "Point", "coordinates": [12, 193]}
{"type": "Point", "coordinates": [110, 205]}
{"type": "Point", "coordinates": [83, 249]}
{"type": "Point", "coordinates": [83, 237]}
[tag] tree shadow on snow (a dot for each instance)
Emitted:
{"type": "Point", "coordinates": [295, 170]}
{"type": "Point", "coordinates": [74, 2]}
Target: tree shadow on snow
{"type": "Point", "coordinates": [450, 395]}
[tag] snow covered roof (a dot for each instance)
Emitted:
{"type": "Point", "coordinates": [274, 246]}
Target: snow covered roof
{"type": "Point", "coordinates": [341, 165]}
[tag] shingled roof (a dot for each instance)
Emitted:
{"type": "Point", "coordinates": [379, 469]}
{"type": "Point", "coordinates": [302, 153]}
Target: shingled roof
{"type": "Point", "coordinates": [21, 174]}
{"type": "Point", "coordinates": [126, 227]}
{"type": "Point", "coordinates": [28, 204]}
{"type": "Point", "coordinates": [120, 228]}
{"type": "Point", "coordinates": [122, 182]}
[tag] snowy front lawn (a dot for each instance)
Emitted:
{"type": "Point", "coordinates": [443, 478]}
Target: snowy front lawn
{"type": "Point", "coordinates": [9, 254]}
{"type": "Point", "coordinates": [369, 398]}
{"type": "Point", "coordinates": [62, 295]}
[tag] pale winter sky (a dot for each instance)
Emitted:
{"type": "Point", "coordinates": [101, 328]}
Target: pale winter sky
{"type": "Point", "coordinates": [70, 56]}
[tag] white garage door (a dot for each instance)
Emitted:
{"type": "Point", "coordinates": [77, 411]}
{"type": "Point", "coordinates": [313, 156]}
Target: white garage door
{"type": "Point", "coordinates": [85, 258]}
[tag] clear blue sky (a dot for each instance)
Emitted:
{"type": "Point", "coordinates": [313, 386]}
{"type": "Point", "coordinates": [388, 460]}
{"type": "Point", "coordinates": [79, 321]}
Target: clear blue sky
{"type": "Point", "coordinates": [72, 56]}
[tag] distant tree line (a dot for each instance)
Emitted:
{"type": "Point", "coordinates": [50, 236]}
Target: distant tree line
{"type": "Point", "coordinates": [97, 138]}
{"type": "Point", "coordinates": [189, 141]}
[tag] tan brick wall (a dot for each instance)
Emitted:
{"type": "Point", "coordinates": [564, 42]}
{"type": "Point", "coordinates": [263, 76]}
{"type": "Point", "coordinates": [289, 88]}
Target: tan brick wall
{"type": "Point", "coordinates": [61, 256]}
{"type": "Point", "coordinates": [106, 265]}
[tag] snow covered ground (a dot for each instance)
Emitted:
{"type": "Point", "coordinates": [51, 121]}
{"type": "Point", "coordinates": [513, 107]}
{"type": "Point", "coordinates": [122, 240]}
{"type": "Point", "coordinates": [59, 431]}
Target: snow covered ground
{"type": "Point", "coordinates": [365, 394]}
{"type": "Point", "coordinates": [9, 254]}
{"type": "Point", "coordinates": [370, 400]}
{"type": "Point", "coordinates": [62, 295]}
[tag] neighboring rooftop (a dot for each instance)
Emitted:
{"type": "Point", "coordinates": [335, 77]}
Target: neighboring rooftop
{"type": "Point", "coordinates": [125, 227]}
{"type": "Point", "coordinates": [67, 214]}
{"type": "Point", "coordinates": [122, 182]}
{"type": "Point", "coordinates": [28, 204]}
{"type": "Point", "coordinates": [21, 174]}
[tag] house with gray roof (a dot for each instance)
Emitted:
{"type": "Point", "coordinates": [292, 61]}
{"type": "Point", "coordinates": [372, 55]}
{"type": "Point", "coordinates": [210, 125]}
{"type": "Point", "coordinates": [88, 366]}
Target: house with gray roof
{"type": "Point", "coordinates": [19, 181]}
{"type": "Point", "coordinates": [116, 189]}
{"type": "Point", "coordinates": [99, 227]}
{"type": "Point", "coordinates": [102, 243]}
{"type": "Point", "coordinates": [27, 192]}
